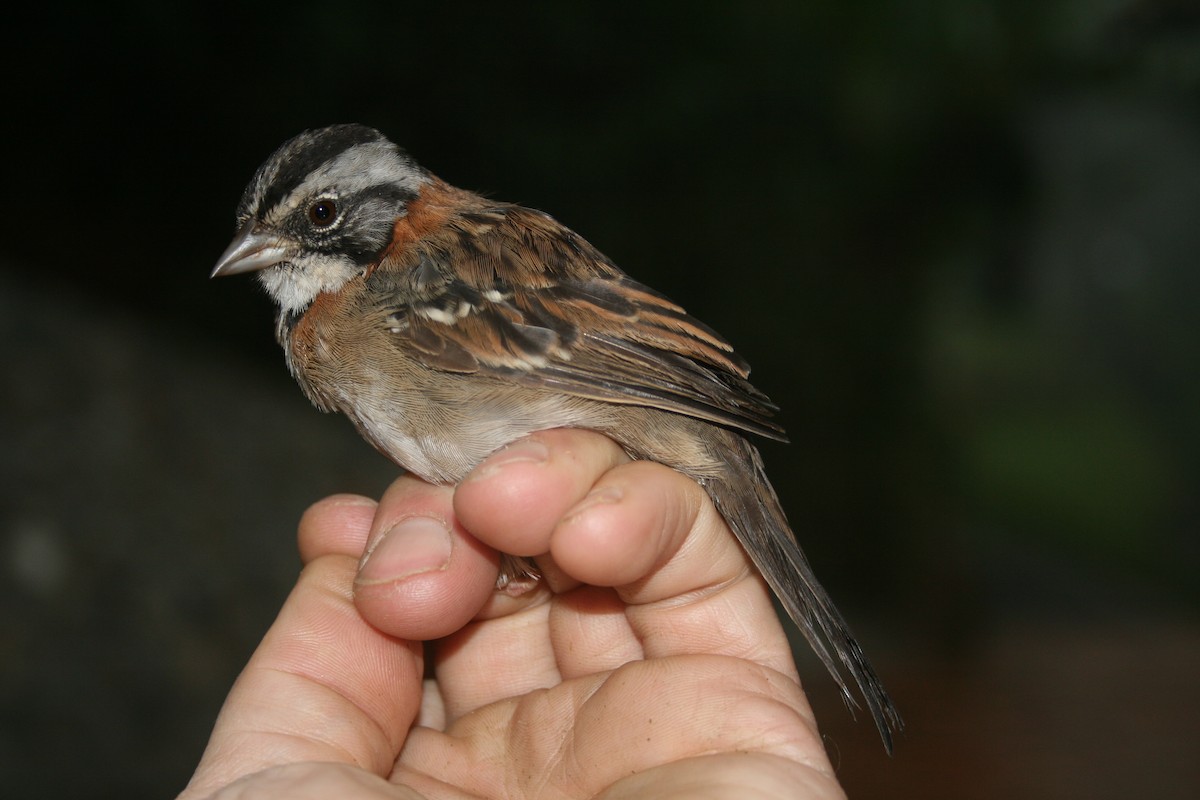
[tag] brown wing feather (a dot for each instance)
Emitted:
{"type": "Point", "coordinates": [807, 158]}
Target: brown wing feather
{"type": "Point", "coordinates": [510, 291]}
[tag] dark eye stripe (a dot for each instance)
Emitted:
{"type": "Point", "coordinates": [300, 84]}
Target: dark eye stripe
{"type": "Point", "coordinates": [364, 222]}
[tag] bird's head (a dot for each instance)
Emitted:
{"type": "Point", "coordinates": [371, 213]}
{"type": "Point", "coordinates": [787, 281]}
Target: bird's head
{"type": "Point", "coordinates": [319, 211]}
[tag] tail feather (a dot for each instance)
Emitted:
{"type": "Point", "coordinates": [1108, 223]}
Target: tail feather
{"type": "Point", "coordinates": [760, 525]}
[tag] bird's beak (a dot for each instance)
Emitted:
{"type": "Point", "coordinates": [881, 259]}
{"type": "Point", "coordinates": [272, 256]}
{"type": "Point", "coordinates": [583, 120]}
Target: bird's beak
{"type": "Point", "coordinates": [251, 249]}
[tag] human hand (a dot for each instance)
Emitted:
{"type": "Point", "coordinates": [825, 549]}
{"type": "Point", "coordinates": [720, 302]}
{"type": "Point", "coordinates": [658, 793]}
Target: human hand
{"type": "Point", "coordinates": [648, 662]}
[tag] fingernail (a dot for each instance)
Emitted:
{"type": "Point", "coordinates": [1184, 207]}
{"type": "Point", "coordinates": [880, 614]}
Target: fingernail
{"type": "Point", "coordinates": [524, 451]}
{"type": "Point", "coordinates": [606, 495]}
{"type": "Point", "coordinates": [413, 546]}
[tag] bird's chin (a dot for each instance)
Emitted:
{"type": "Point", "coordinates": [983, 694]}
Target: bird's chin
{"type": "Point", "coordinates": [294, 285]}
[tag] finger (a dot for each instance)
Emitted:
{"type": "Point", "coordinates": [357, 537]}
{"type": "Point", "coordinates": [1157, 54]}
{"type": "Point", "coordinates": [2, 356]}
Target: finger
{"type": "Point", "coordinates": [654, 534]}
{"type": "Point", "coordinates": [514, 500]}
{"type": "Point", "coordinates": [322, 686]}
{"type": "Point", "coordinates": [337, 525]}
{"type": "Point", "coordinates": [422, 575]}
{"type": "Point", "coordinates": [515, 497]}
{"type": "Point", "coordinates": [495, 659]}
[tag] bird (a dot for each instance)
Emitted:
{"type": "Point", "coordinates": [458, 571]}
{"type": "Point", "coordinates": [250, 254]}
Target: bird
{"type": "Point", "coordinates": [447, 325]}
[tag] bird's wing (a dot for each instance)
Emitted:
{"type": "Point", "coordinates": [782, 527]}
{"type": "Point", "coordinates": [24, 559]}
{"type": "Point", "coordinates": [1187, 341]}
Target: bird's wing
{"type": "Point", "coordinates": [511, 292]}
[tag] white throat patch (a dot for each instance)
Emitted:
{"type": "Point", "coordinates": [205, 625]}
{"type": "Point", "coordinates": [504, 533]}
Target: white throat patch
{"type": "Point", "coordinates": [294, 287]}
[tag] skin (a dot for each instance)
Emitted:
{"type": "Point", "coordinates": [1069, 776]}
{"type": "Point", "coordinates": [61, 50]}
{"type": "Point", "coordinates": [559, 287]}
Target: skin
{"type": "Point", "coordinates": [648, 662]}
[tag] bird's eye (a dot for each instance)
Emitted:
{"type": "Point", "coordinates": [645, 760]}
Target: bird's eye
{"type": "Point", "coordinates": [322, 213]}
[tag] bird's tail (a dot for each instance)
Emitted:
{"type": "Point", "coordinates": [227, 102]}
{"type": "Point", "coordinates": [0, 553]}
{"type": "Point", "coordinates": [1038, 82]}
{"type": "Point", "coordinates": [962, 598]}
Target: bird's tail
{"type": "Point", "coordinates": [757, 519]}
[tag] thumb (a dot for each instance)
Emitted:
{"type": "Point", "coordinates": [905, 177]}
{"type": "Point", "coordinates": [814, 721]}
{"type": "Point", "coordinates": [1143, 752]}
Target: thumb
{"type": "Point", "coordinates": [322, 686]}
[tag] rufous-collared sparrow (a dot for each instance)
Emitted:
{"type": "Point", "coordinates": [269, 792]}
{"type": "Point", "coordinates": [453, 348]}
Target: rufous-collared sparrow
{"type": "Point", "coordinates": [447, 325]}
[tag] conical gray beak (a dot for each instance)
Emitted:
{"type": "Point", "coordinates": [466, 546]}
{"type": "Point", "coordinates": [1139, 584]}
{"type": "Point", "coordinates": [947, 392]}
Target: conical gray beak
{"type": "Point", "coordinates": [252, 249]}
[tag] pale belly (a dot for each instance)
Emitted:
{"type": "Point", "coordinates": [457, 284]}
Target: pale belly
{"type": "Point", "coordinates": [442, 439]}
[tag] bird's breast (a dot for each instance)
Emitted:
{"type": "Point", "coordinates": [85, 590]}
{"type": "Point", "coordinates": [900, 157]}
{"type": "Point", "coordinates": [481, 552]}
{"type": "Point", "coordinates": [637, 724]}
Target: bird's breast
{"type": "Point", "coordinates": [441, 426]}
{"type": "Point", "coordinates": [437, 425]}
{"type": "Point", "coordinates": [313, 344]}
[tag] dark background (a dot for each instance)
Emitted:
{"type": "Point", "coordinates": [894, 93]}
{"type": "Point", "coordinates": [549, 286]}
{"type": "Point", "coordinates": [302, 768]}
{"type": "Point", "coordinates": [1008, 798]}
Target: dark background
{"type": "Point", "coordinates": [956, 238]}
